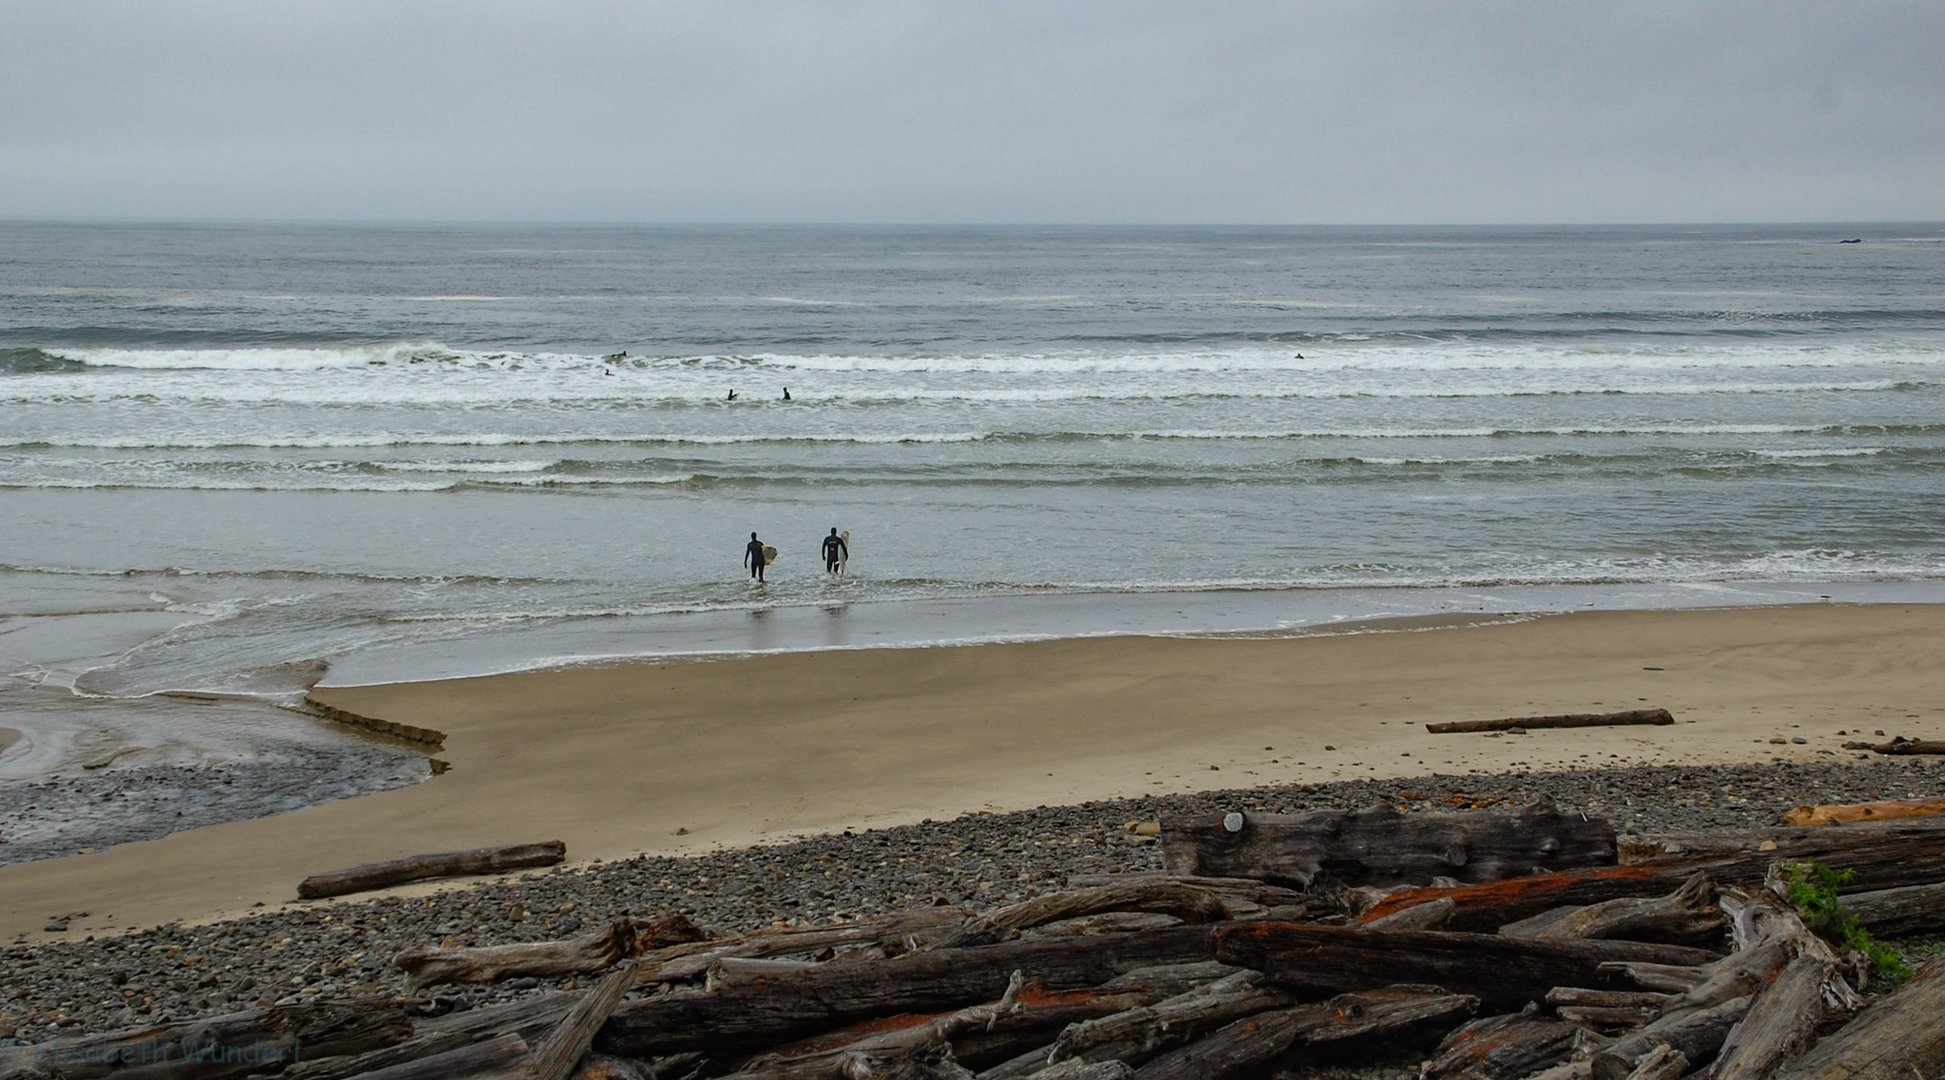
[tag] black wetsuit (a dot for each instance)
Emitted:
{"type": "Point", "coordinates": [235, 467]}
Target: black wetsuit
{"type": "Point", "coordinates": [753, 554]}
{"type": "Point", "coordinates": [834, 547]}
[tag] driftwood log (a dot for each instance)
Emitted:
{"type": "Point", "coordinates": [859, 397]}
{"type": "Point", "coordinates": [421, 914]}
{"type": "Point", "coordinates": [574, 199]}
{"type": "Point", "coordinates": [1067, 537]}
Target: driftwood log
{"type": "Point", "coordinates": [258, 1040]}
{"type": "Point", "coordinates": [1137, 1034]}
{"type": "Point", "coordinates": [1901, 745]}
{"type": "Point", "coordinates": [1784, 1014]}
{"type": "Point", "coordinates": [555, 1058]}
{"type": "Point", "coordinates": [1515, 1044]}
{"type": "Point", "coordinates": [1381, 846]}
{"type": "Point", "coordinates": [502, 1057]}
{"type": "Point", "coordinates": [1842, 813]}
{"type": "Point", "coordinates": [1506, 972]}
{"type": "Point", "coordinates": [1911, 910]}
{"type": "Point", "coordinates": [1687, 916]}
{"type": "Point", "coordinates": [1696, 1036]}
{"type": "Point", "coordinates": [1901, 1036]}
{"type": "Point", "coordinates": [591, 952]}
{"type": "Point", "coordinates": [1249, 1042]}
{"type": "Point", "coordinates": [381, 875]}
{"type": "Point", "coordinates": [1563, 720]}
{"type": "Point", "coordinates": [1890, 855]}
{"type": "Point", "coordinates": [1189, 903]}
{"type": "Point", "coordinates": [890, 935]}
{"type": "Point", "coordinates": [800, 1003]}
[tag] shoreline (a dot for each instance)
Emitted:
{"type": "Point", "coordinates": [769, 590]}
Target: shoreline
{"type": "Point", "coordinates": [684, 757]}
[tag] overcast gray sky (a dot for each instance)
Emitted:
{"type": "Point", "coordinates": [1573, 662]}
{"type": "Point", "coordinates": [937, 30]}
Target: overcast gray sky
{"type": "Point", "coordinates": [1365, 111]}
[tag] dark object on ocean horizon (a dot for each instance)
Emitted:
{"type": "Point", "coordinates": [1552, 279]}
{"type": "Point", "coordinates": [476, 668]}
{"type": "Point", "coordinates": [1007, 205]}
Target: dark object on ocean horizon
{"type": "Point", "coordinates": [1852, 240]}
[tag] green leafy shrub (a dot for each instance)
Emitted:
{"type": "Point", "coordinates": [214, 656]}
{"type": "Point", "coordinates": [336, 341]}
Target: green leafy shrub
{"type": "Point", "coordinates": [1812, 889]}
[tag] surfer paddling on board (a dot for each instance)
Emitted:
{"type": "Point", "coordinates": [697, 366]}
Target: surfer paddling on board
{"type": "Point", "coordinates": [836, 552]}
{"type": "Point", "coordinates": [753, 557]}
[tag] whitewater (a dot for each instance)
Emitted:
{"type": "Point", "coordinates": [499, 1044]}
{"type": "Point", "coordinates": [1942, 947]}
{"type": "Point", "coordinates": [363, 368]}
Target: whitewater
{"type": "Point", "coordinates": [238, 459]}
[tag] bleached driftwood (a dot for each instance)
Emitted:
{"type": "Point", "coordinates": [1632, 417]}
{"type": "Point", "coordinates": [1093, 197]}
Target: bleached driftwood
{"type": "Point", "coordinates": [380, 875]}
{"type": "Point", "coordinates": [1563, 720]}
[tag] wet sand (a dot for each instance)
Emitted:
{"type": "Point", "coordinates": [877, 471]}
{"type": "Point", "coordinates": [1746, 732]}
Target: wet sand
{"type": "Point", "coordinates": [691, 756]}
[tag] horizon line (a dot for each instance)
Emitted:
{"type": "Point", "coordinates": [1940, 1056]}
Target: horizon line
{"type": "Point", "coordinates": [917, 224]}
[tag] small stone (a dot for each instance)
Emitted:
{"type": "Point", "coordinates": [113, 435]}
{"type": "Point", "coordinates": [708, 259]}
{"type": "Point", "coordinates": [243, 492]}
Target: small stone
{"type": "Point", "coordinates": [1798, 739]}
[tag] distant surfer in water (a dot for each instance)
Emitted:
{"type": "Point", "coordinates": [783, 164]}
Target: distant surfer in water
{"type": "Point", "coordinates": [753, 557]}
{"type": "Point", "coordinates": [836, 551]}
{"type": "Point", "coordinates": [786, 393]}
{"type": "Point", "coordinates": [731, 397]}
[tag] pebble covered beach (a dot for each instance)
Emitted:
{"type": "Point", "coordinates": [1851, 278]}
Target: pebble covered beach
{"type": "Point", "coordinates": [343, 948]}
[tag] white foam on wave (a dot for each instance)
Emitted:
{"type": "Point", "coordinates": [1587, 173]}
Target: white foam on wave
{"type": "Point", "coordinates": [258, 359]}
{"type": "Point", "coordinates": [464, 466]}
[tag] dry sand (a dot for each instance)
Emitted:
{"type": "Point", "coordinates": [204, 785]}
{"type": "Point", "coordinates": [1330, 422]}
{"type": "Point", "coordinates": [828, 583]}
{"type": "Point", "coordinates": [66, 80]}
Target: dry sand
{"type": "Point", "coordinates": [666, 758]}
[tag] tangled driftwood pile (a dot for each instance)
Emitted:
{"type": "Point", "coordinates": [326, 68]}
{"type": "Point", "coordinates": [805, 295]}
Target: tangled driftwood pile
{"type": "Point", "coordinates": [1504, 944]}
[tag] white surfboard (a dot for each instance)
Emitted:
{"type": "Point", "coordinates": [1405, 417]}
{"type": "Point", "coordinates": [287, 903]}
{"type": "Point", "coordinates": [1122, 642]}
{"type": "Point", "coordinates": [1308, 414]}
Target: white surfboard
{"type": "Point", "coordinates": [843, 553]}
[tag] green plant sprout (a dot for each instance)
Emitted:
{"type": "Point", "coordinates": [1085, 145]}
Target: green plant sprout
{"type": "Point", "coordinates": [1811, 888]}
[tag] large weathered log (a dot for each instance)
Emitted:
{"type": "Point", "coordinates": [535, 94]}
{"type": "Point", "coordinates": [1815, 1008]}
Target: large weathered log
{"type": "Point", "coordinates": [1253, 1040]}
{"type": "Point", "coordinates": [896, 933]}
{"type": "Point", "coordinates": [380, 875]}
{"type": "Point", "coordinates": [1883, 856]}
{"type": "Point", "coordinates": [503, 1057]}
{"type": "Point", "coordinates": [1135, 1035]}
{"type": "Point", "coordinates": [347, 1065]}
{"type": "Point", "coordinates": [1188, 903]}
{"type": "Point", "coordinates": [871, 1047]}
{"type": "Point", "coordinates": [556, 1057]}
{"type": "Point", "coordinates": [1607, 1017]}
{"type": "Point", "coordinates": [1563, 720]}
{"type": "Point", "coordinates": [1243, 898]}
{"type": "Point", "coordinates": [1901, 745]}
{"type": "Point", "coordinates": [530, 1018]}
{"type": "Point", "coordinates": [1782, 1019]}
{"type": "Point", "coordinates": [258, 1040]}
{"type": "Point", "coordinates": [1381, 846]}
{"type": "Point", "coordinates": [1025, 1007]}
{"type": "Point", "coordinates": [1503, 972]}
{"type": "Point", "coordinates": [1785, 1014]}
{"type": "Point", "coordinates": [591, 952]}
{"type": "Point", "coordinates": [1697, 1036]}
{"type": "Point", "coordinates": [1737, 975]}
{"type": "Point", "coordinates": [1817, 843]}
{"type": "Point", "coordinates": [1843, 813]}
{"type": "Point", "coordinates": [746, 1018]}
{"type": "Point", "coordinates": [1912, 910]}
{"type": "Point", "coordinates": [1143, 986]}
{"type": "Point", "coordinates": [1896, 1038]}
{"type": "Point", "coordinates": [1579, 996]}
{"type": "Point", "coordinates": [1687, 916]}
{"type": "Point", "coordinates": [1431, 915]}
{"type": "Point", "coordinates": [1512, 1045]}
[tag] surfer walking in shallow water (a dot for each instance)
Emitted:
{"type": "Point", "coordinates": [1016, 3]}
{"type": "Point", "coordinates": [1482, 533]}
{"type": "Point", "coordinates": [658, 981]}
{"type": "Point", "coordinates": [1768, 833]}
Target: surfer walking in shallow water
{"type": "Point", "coordinates": [753, 557]}
{"type": "Point", "coordinates": [836, 551]}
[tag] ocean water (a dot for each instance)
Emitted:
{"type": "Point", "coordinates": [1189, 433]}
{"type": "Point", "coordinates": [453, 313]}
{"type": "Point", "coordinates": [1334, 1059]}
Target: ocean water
{"type": "Point", "coordinates": [235, 459]}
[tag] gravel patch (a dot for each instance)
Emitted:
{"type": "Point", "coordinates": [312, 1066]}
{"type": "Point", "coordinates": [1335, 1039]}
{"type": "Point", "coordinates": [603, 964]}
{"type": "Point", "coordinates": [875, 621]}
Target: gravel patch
{"type": "Point", "coordinates": [345, 947]}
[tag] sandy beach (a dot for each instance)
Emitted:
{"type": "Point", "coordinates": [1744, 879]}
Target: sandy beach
{"type": "Point", "coordinates": [668, 758]}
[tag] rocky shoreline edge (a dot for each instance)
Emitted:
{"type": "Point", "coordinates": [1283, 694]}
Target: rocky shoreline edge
{"type": "Point", "coordinates": [343, 948]}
